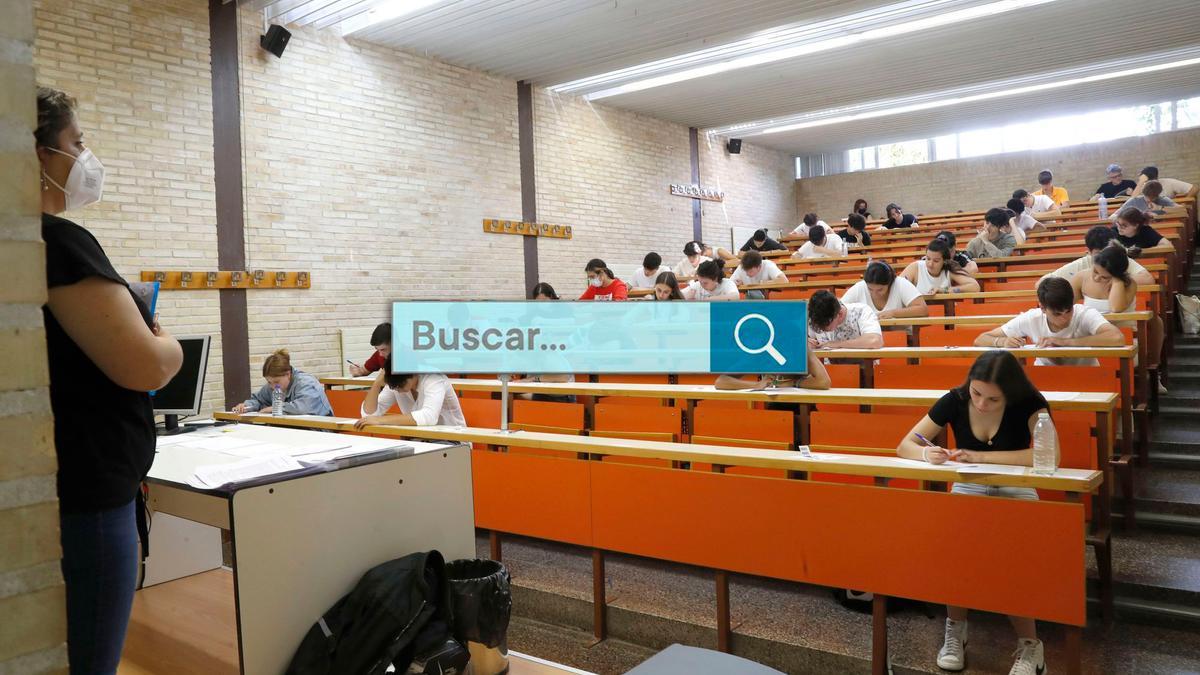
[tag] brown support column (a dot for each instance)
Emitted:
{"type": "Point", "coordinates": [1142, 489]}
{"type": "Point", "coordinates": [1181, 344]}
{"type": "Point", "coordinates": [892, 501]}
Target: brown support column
{"type": "Point", "coordinates": [694, 145]}
{"type": "Point", "coordinates": [879, 636]}
{"type": "Point", "coordinates": [528, 178]}
{"type": "Point", "coordinates": [599, 601]}
{"type": "Point", "coordinates": [227, 172]}
{"type": "Point", "coordinates": [724, 632]}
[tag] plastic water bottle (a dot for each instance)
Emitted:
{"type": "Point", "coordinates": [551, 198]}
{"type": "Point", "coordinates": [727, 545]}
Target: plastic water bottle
{"type": "Point", "coordinates": [277, 401]}
{"type": "Point", "coordinates": [1103, 207]}
{"type": "Point", "coordinates": [1045, 445]}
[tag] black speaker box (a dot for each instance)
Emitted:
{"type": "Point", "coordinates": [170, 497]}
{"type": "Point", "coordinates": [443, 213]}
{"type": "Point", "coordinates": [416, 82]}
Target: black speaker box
{"type": "Point", "coordinates": [734, 146]}
{"type": "Point", "coordinates": [276, 40]}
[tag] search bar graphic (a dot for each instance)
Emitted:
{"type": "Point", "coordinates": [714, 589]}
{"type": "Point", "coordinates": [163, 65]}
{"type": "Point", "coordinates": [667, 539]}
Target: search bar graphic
{"type": "Point", "coordinates": [599, 337]}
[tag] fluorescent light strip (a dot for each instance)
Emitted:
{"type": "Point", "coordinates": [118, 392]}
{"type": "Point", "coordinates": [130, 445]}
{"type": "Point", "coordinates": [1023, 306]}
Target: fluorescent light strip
{"type": "Point", "coordinates": [382, 13]}
{"type": "Point", "coordinates": [793, 43]}
{"type": "Point", "coordinates": [892, 107]}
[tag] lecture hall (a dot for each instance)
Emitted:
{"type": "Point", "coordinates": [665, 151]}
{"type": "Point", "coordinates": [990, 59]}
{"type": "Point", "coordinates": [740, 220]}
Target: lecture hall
{"type": "Point", "coordinates": [538, 337]}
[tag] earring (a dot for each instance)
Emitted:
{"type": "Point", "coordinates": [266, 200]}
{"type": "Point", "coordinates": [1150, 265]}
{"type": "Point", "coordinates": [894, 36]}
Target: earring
{"type": "Point", "coordinates": [45, 187]}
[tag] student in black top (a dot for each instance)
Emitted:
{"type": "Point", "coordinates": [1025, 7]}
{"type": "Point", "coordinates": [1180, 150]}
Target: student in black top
{"type": "Point", "coordinates": [860, 208]}
{"type": "Point", "coordinates": [992, 416]}
{"type": "Point", "coordinates": [896, 217]}
{"type": "Point", "coordinates": [1134, 233]}
{"type": "Point", "coordinates": [105, 352]}
{"type": "Point", "coordinates": [1116, 186]}
{"type": "Point", "coordinates": [856, 231]}
{"type": "Point", "coordinates": [761, 242]}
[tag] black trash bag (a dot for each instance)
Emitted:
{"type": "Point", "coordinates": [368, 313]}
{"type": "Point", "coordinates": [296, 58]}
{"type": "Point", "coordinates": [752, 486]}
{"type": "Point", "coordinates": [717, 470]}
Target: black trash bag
{"type": "Point", "coordinates": [482, 601]}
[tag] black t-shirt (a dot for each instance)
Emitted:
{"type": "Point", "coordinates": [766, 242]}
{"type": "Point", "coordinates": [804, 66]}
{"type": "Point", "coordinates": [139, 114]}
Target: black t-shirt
{"type": "Point", "coordinates": [847, 236]}
{"type": "Point", "coordinates": [907, 220]}
{"type": "Point", "coordinates": [1013, 433]}
{"type": "Point", "coordinates": [961, 258]}
{"type": "Point", "coordinates": [1146, 237]}
{"type": "Point", "coordinates": [1109, 190]}
{"type": "Point", "coordinates": [768, 245]}
{"type": "Point", "coordinates": [103, 433]}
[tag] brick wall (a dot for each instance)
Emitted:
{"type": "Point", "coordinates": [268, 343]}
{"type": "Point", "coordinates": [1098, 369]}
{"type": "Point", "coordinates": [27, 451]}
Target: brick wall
{"type": "Point", "coordinates": [984, 182]}
{"type": "Point", "coordinates": [32, 599]}
{"type": "Point", "coordinates": [759, 185]}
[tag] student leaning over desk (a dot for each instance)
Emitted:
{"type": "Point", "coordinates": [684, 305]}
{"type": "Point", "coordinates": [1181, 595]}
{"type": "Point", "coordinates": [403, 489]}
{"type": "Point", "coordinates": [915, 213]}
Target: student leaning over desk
{"type": "Point", "coordinates": [303, 394]}
{"type": "Point", "coordinates": [993, 415]}
{"type": "Point", "coordinates": [424, 400]}
{"type": "Point", "coordinates": [105, 352]}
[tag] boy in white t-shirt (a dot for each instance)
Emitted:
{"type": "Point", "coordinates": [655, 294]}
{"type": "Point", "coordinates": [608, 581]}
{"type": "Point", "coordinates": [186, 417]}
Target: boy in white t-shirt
{"type": "Point", "coordinates": [821, 245]}
{"type": "Point", "coordinates": [1056, 322]}
{"type": "Point", "coordinates": [754, 270]}
{"type": "Point", "coordinates": [836, 325]}
{"type": "Point", "coordinates": [651, 267]}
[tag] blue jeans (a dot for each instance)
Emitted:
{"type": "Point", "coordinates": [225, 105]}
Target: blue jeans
{"type": "Point", "coordinates": [100, 568]}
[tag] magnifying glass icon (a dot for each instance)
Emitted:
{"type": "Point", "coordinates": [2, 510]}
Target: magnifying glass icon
{"type": "Point", "coordinates": [769, 347]}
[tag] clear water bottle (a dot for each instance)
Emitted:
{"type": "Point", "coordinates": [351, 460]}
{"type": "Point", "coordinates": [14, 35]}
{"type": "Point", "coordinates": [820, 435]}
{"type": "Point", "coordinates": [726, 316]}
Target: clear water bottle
{"type": "Point", "coordinates": [277, 401]}
{"type": "Point", "coordinates": [1045, 445]}
{"type": "Point", "coordinates": [1103, 207]}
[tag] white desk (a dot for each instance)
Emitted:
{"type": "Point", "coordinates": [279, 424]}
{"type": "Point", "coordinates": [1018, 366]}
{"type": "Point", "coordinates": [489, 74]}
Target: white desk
{"type": "Point", "coordinates": [300, 544]}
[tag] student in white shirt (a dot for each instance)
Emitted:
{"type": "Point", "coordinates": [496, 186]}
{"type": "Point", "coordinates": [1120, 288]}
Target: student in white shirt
{"type": "Point", "coordinates": [666, 287]}
{"type": "Point", "coordinates": [710, 283]}
{"type": "Point", "coordinates": [1056, 322]}
{"type": "Point", "coordinates": [755, 270]}
{"type": "Point", "coordinates": [644, 276]}
{"type": "Point", "coordinates": [833, 324]}
{"type": "Point", "coordinates": [821, 245]}
{"type": "Point", "coordinates": [938, 272]}
{"type": "Point", "coordinates": [1171, 187]}
{"type": "Point", "coordinates": [1097, 239]}
{"type": "Point", "coordinates": [694, 252]}
{"type": "Point", "coordinates": [1039, 206]}
{"type": "Point", "coordinates": [810, 221]}
{"type": "Point", "coordinates": [424, 400]}
{"type": "Point", "coordinates": [889, 295]}
{"type": "Point", "coordinates": [1022, 223]}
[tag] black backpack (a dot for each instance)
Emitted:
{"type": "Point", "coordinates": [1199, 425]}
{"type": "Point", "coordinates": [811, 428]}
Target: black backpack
{"type": "Point", "coordinates": [397, 610]}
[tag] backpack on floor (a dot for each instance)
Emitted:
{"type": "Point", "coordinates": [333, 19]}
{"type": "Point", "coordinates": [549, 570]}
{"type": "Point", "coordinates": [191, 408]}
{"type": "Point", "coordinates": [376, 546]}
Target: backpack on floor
{"type": "Point", "coordinates": [862, 601]}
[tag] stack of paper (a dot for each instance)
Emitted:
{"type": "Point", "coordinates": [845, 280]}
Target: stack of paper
{"type": "Point", "coordinates": [217, 475]}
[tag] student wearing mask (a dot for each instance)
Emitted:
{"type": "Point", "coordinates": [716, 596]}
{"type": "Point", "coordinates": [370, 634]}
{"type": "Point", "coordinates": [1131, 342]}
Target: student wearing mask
{"type": "Point", "coordinates": [303, 394]}
{"type": "Point", "coordinates": [105, 353]}
{"type": "Point", "coordinates": [761, 242]}
{"type": "Point", "coordinates": [1058, 195]}
{"type": "Point", "coordinates": [1151, 200]}
{"type": "Point", "coordinates": [1171, 188]}
{"type": "Point", "coordinates": [861, 209]}
{"type": "Point", "coordinates": [891, 297]}
{"type": "Point", "coordinates": [381, 341]}
{"type": "Point", "coordinates": [694, 253]}
{"type": "Point", "coordinates": [994, 239]}
{"type": "Point", "coordinates": [710, 283]}
{"type": "Point", "coordinates": [754, 270]}
{"type": "Point", "coordinates": [1056, 322]}
{"type": "Point", "coordinates": [821, 244]}
{"type": "Point", "coordinates": [897, 218]}
{"type": "Point", "coordinates": [1116, 186]}
{"type": "Point", "coordinates": [964, 262]}
{"type": "Point", "coordinates": [810, 221]}
{"type": "Point", "coordinates": [993, 415]}
{"type": "Point", "coordinates": [651, 267]}
{"type": "Point", "coordinates": [424, 400]}
{"type": "Point", "coordinates": [816, 378]}
{"type": "Point", "coordinates": [855, 232]}
{"type": "Point", "coordinates": [602, 283]}
{"type": "Point", "coordinates": [833, 324]}
{"type": "Point", "coordinates": [541, 291]}
{"type": "Point", "coordinates": [666, 287]}
{"type": "Point", "coordinates": [938, 273]}
{"type": "Point", "coordinates": [1135, 233]}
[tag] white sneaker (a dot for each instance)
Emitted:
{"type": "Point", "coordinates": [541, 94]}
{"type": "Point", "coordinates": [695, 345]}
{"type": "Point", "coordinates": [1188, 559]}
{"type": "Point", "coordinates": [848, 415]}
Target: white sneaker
{"type": "Point", "coordinates": [1031, 659]}
{"type": "Point", "coordinates": [953, 655]}
{"type": "Point", "coordinates": [1161, 388]}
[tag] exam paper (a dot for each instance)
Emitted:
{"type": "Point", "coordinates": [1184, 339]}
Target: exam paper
{"type": "Point", "coordinates": [221, 443]}
{"type": "Point", "coordinates": [1000, 469]}
{"type": "Point", "coordinates": [216, 475]}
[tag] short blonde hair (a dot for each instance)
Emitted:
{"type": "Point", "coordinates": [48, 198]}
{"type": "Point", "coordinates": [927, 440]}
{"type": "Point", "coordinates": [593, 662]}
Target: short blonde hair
{"type": "Point", "coordinates": [279, 363]}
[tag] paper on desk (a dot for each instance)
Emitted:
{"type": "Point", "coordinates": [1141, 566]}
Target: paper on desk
{"type": "Point", "coordinates": [343, 453]}
{"type": "Point", "coordinates": [168, 441]}
{"type": "Point", "coordinates": [216, 475]}
{"type": "Point", "coordinates": [259, 449]}
{"type": "Point", "coordinates": [220, 443]}
{"type": "Point", "coordinates": [998, 469]}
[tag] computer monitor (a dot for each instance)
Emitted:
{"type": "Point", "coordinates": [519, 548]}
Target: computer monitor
{"type": "Point", "coordinates": [181, 396]}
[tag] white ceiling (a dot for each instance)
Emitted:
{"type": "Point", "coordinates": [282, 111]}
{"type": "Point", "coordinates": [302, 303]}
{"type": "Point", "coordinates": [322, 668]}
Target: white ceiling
{"type": "Point", "coordinates": [550, 42]}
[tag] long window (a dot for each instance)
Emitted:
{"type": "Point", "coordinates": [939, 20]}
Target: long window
{"type": "Point", "coordinates": [1054, 132]}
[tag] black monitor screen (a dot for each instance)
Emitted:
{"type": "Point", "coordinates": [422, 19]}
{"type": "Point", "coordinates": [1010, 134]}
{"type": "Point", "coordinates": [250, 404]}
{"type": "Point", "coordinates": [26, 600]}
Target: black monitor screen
{"type": "Point", "coordinates": [181, 396]}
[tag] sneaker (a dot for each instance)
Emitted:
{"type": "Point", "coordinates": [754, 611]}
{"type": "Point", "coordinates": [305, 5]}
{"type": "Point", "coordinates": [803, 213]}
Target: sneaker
{"type": "Point", "coordinates": [1161, 388]}
{"type": "Point", "coordinates": [1031, 659]}
{"type": "Point", "coordinates": [953, 655]}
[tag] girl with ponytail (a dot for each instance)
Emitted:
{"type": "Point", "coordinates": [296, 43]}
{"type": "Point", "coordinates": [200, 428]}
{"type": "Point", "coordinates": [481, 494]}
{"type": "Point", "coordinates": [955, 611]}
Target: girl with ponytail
{"type": "Point", "coordinates": [603, 284]}
{"type": "Point", "coordinates": [710, 283]}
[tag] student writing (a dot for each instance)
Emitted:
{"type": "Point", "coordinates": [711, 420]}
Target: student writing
{"type": "Point", "coordinates": [303, 394]}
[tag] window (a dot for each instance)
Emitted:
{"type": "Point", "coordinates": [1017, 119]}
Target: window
{"type": "Point", "coordinates": [1187, 113]}
{"type": "Point", "coordinates": [903, 154]}
{"type": "Point", "coordinates": [977, 143]}
{"type": "Point", "coordinates": [945, 147]}
{"type": "Point", "coordinates": [854, 159]}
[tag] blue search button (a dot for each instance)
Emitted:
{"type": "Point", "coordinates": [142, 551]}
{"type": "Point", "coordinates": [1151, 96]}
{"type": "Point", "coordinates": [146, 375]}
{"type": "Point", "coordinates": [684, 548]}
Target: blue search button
{"type": "Point", "coordinates": [758, 337]}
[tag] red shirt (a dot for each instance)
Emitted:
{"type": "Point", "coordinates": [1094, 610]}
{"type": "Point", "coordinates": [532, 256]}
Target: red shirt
{"type": "Point", "coordinates": [614, 291]}
{"type": "Point", "coordinates": [375, 362]}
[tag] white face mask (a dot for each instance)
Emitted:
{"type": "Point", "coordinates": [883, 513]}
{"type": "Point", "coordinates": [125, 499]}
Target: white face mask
{"type": "Point", "coordinates": [596, 281]}
{"type": "Point", "coordinates": [85, 183]}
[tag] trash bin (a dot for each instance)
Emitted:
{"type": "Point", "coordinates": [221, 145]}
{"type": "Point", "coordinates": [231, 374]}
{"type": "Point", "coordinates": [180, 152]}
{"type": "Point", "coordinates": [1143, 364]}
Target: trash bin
{"type": "Point", "coordinates": [482, 601]}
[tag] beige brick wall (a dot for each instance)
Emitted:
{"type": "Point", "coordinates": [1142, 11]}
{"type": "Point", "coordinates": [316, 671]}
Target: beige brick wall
{"type": "Point", "coordinates": [984, 182]}
{"type": "Point", "coordinates": [32, 597]}
{"type": "Point", "coordinates": [140, 71]}
{"type": "Point", "coordinates": [759, 185]}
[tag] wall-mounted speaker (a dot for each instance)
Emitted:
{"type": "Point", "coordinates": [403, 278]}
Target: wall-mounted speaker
{"type": "Point", "coordinates": [734, 145]}
{"type": "Point", "coordinates": [276, 39]}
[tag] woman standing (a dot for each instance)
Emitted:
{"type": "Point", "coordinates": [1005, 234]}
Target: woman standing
{"type": "Point", "coordinates": [993, 415]}
{"type": "Point", "coordinates": [105, 352]}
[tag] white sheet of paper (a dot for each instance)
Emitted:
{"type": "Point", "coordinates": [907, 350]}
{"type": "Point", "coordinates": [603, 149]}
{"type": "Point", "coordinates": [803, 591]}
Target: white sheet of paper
{"type": "Point", "coordinates": [216, 475]}
{"type": "Point", "coordinates": [258, 450]}
{"type": "Point", "coordinates": [995, 469]}
{"type": "Point", "coordinates": [223, 443]}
